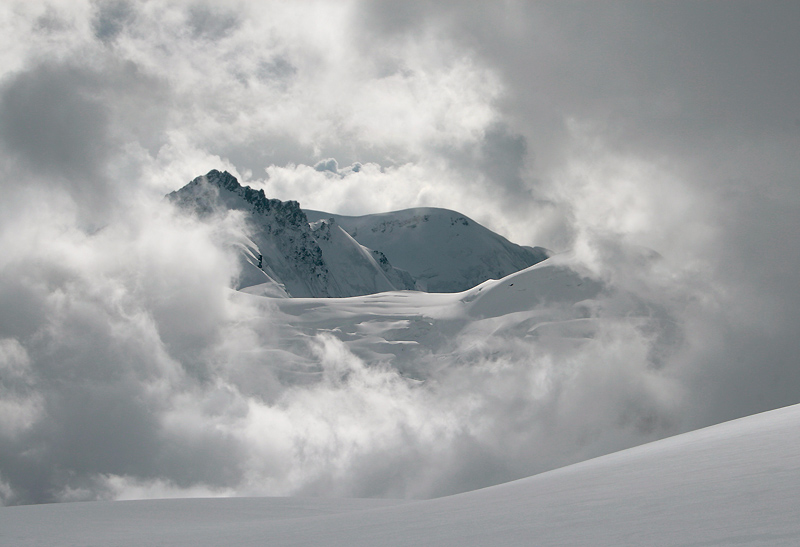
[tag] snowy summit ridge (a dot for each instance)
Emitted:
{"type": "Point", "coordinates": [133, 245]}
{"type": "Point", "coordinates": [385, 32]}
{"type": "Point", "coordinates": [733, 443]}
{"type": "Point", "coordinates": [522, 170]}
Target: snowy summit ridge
{"type": "Point", "coordinates": [443, 250]}
{"type": "Point", "coordinates": [297, 253]}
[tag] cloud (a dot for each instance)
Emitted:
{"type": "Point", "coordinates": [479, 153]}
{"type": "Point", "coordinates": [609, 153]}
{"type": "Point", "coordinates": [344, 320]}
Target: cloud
{"type": "Point", "coordinates": [115, 324]}
{"type": "Point", "coordinates": [329, 164]}
{"type": "Point", "coordinates": [503, 157]}
{"type": "Point", "coordinates": [210, 22]}
{"type": "Point", "coordinates": [70, 127]}
{"type": "Point", "coordinates": [110, 19]}
{"type": "Point", "coordinates": [55, 128]}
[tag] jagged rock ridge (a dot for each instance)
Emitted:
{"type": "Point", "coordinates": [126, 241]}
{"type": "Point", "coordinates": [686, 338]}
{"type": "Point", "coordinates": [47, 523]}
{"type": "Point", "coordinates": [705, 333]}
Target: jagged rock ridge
{"type": "Point", "coordinates": [297, 259]}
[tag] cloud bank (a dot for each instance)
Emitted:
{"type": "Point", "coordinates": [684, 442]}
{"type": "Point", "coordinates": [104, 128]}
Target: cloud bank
{"type": "Point", "coordinates": [128, 369]}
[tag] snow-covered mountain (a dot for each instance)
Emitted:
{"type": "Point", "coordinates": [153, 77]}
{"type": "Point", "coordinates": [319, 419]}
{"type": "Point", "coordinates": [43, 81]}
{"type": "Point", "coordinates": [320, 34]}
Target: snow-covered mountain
{"type": "Point", "coordinates": [292, 252]}
{"type": "Point", "coordinates": [443, 250]}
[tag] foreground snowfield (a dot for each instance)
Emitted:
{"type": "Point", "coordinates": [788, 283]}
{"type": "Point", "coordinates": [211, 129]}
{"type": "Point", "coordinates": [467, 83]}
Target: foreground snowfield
{"type": "Point", "coordinates": [736, 483]}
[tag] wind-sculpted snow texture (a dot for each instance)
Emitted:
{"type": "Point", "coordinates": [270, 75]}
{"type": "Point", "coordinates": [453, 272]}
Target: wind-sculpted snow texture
{"type": "Point", "coordinates": [736, 483]}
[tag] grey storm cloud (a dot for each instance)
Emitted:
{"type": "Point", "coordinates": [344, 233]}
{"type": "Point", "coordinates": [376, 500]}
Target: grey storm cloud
{"type": "Point", "coordinates": [50, 121]}
{"type": "Point", "coordinates": [689, 81]}
{"type": "Point", "coordinates": [110, 19]}
{"type": "Point", "coordinates": [126, 368]}
{"type": "Point", "coordinates": [329, 164]}
{"type": "Point", "coordinates": [65, 124]}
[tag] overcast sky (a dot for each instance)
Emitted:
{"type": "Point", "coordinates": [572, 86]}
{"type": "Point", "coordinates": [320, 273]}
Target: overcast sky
{"type": "Point", "coordinates": [596, 127]}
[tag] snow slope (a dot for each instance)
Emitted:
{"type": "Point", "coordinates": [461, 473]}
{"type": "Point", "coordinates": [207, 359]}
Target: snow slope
{"type": "Point", "coordinates": [737, 483]}
{"type": "Point", "coordinates": [443, 250]}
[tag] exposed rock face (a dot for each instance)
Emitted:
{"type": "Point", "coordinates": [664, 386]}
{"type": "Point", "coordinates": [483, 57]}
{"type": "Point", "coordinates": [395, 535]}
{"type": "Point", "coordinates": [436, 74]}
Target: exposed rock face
{"type": "Point", "coordinates": [305, 261]}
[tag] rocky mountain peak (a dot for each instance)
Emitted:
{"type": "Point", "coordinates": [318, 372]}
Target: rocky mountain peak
{"type": "Point", "coordinates": [436, 250]}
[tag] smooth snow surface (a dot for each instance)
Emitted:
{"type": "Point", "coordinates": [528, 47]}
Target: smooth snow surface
{"type": "Point", "coordinates": [736, 483]}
